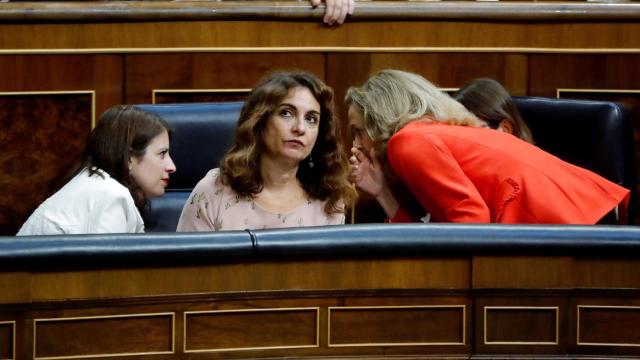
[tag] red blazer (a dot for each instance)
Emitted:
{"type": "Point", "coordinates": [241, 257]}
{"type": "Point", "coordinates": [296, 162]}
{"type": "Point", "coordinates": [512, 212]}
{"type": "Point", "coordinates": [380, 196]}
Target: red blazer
{"type": "Point", "coordinates": [476, 175]}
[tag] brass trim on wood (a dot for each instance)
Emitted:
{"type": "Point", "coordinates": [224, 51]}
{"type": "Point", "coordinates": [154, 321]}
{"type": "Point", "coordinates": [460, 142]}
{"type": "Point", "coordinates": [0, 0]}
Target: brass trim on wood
{"type": "Point", "coordinates": [337, 308]}
{"type": "Point", "coordinates": [184, 331]}
{"type": "Point", "coordinates": [484, 323]}
{"type": "Point", "coordinates": [330, 49]}
{"type": "Point", "coordinates": [13, 338]}
{"type": "Point", "coordinates": [60, 92]}
{"type": "Point", "coordinates": [197, 91]}
{"type": "Point", "coordinates": [578, 342]}
{"type": "Point", "coordinates": [173, 331]}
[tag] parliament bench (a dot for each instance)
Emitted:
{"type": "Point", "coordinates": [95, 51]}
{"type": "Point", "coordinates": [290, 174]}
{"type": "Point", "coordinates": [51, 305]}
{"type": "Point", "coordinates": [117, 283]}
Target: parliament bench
{"type": "Point", "coordinates": [363, 291]}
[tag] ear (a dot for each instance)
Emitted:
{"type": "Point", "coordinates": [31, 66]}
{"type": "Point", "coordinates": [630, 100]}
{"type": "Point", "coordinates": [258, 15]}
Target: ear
{"type": "Point", "coordinates": [130, 163]}
{"type": "Point", "coordinates": [506, 126]}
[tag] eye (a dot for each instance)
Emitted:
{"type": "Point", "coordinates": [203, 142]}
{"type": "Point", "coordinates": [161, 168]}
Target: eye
{"type": "Point", "coordinates": [286, 113]}
{"type": "Point", "coordinates": [163, 153]}
{"type": "Point", "coordinates": [312, 119]}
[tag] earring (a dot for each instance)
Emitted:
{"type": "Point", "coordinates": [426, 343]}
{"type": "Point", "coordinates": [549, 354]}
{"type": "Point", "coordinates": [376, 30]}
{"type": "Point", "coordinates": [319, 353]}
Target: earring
{"type": "Point", "coordinates": [310, 163]}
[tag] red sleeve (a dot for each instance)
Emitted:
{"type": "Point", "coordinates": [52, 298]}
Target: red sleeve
{"type": "Point", "coordinates": [402, 216]}
{"type": "Point", "coordinates": [432, 174]}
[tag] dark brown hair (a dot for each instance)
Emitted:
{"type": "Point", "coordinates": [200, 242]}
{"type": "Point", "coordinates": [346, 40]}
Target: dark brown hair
{"type": "Point", "coordinates": [491, 102]}
{"type": "Point", "coordinates": [122, 131]}
{"type": "Point", "coordinates": [326, 180]}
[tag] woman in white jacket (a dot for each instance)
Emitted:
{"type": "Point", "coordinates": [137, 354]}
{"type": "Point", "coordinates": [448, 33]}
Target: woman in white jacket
{"type": "Point", "coordinates": [126, 161]}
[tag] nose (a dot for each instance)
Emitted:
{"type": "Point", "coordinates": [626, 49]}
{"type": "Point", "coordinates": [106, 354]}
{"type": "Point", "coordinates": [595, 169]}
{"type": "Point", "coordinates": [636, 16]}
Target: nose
{"type": "Point", "coordinates": [299, 126]}
{"type": "Point", "coordinates": [171, 166]}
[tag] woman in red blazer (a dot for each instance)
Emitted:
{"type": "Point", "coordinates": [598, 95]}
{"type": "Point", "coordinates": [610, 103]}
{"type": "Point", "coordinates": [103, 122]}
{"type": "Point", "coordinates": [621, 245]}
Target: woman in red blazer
{"type": "Point", "coordinates": [408, 132]}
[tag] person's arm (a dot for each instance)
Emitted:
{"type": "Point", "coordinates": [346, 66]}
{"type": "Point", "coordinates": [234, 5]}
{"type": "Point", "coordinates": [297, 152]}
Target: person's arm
{"type": "Point", "coordinates": [116, 214]}
{"type": "Point", "coordinates": [198, 212]}
{"type": "Point", "coordinates": [336, 10]}
{"type": "Point", "coordinates": [432, 174]}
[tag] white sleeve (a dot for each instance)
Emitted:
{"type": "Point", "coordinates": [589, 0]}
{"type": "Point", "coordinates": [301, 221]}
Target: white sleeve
{"type": "Point", "coordinates": [116, 214]}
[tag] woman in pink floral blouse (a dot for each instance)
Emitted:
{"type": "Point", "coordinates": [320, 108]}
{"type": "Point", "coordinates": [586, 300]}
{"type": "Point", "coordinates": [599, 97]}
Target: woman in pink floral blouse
{"type": "Point", "coordinates": [285, 168]}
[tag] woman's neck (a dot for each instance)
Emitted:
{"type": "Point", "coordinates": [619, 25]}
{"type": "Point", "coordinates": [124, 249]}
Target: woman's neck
{"type": "Point", "coordinates": [282, 191]}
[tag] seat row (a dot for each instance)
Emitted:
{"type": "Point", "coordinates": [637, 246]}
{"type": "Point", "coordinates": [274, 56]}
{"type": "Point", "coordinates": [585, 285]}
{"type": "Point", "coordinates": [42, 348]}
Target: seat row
{"type": "Point", "coordinates": [596, 135]}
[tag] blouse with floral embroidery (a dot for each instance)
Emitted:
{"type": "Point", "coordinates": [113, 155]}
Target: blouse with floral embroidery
{"type": "Point", "coordinates": [213, 206]}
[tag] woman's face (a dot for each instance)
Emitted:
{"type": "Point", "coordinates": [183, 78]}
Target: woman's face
{"type": "Point", "coordinates": [291, 131]}
{"type": "Point", "coordinates": [151, 170]}
{"type": "Point", "coordinates": [361, 139]}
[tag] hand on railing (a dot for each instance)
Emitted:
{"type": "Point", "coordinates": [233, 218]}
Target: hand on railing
{"type": "Point", "coordinates": [336, 10]}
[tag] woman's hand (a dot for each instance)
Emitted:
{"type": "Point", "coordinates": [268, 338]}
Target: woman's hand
{"type": "Point", "coordinates": [336, 10]}
{"type": "Point", "coordinates": [366, 172]}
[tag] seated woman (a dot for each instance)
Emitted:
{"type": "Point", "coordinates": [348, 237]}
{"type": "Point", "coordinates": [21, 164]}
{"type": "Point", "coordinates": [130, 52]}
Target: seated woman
{"type": "Point", "coordinates": [490, 102]}
{"type": "Point", "coordinates": [126, 161]}
{"type": "Point", "coordinates": [407, 130]}
{"type": "Point", "coordinates": [285, 168]}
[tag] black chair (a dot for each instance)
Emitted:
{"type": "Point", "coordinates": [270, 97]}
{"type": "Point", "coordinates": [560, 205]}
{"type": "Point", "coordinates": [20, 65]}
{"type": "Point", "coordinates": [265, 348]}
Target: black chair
{"type": "Point", "coordinates": [596, 135]}
{"type": "Point", "coordinates": [202, 133]}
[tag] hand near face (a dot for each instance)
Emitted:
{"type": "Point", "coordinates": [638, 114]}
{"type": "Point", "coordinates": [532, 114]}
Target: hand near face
{"type": "Point", "coordinates": [366, 172]}
{"type": "Point", "coordinates": [336, 10]}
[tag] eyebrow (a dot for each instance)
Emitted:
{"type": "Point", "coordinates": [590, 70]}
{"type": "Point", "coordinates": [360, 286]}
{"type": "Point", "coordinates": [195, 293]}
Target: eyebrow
{"type": "Point", "coordinates": [295, 107]}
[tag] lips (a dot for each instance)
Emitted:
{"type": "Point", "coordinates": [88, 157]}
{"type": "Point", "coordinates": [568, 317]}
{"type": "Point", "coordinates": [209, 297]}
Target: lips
{"type": "Point", "coordinates": [295, 142]}
{"type": "Point", "coordinates": [165, 181]}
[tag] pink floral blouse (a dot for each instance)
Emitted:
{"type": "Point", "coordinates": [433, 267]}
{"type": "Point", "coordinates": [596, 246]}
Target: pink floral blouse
{"type": "Point", "coordinates": [213, 206]}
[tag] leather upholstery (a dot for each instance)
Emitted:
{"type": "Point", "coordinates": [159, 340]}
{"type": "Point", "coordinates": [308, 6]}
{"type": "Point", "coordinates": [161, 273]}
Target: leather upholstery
{"type": "Point", "coordinates": [202, 134]}
{"type": "Point", "coordinates": [380, 240]}
{"type": "Point", "coordinates": [595, 135]}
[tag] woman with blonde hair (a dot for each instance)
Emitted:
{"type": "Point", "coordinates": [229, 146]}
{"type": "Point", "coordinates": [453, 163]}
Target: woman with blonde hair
{"type": "Point", "coordinates": [285, 168]}
{"type": "Point", "coordinates": [417, 150]}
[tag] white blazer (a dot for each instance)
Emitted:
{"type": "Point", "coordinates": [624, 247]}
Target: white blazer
{"type": "Point", "coordinates": [86, 205]}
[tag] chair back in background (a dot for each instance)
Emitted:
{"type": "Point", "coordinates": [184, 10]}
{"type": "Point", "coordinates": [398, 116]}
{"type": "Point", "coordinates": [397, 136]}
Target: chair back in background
{"type": "Point", "coordinates": [202, 134]}
{"type": "Point", "coordinates": [596, 135]}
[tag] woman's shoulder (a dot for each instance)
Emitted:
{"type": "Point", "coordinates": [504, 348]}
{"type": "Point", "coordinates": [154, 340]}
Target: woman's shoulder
{"type": "Point", "coordinates": [211, 182]}
{"type": "Point", "coordinates": [97, 183]}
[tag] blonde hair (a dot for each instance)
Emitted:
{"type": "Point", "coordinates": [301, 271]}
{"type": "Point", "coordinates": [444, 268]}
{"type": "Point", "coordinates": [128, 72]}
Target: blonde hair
{"type": "Point", "coordinates": [392, 98]}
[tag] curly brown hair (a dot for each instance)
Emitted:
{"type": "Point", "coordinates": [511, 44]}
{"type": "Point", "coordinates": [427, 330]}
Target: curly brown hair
{"type": "Point", "coordinates": [326, 180]}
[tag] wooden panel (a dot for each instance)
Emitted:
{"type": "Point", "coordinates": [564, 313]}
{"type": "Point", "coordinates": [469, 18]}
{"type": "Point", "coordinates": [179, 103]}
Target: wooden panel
{"type": "Point", "coordinates": [397, 325]}
{"type": "Point", "coordinates": [608, 325]}
{"type": "Point", "coordinates": [251, 329]}
{"type": "Point", "coordinates": [198, 96]}
{"type": "Point", "coordinates": [448, 70]}
{"type": "Point", "coordinates": [513, 36]}
{"type": "Point", "coordinates": [303, 275]}
{"type": "Point", "coordinates": [521, 321]}
{"type": "Point", "coordinates": [513, 325]}
{"type": "Point", "coordinates": [100, 73]}
{"type": "Point", "coordinates": [7, 339]}
{"type": "Point", "coordinates": [16, 286]}
{"type": "Point", "coordinates": [521, 272]}
{"type": "Point", "coordinates": [607, 273]}
{"type": "Point", "coordinates": [549, 72]}
{"type": "Point", "coordinates": [133, 334]}
{"type": "Point", "coordinates": [43, 138]}
{"type": "Point", "coordinates": [208, 70]}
